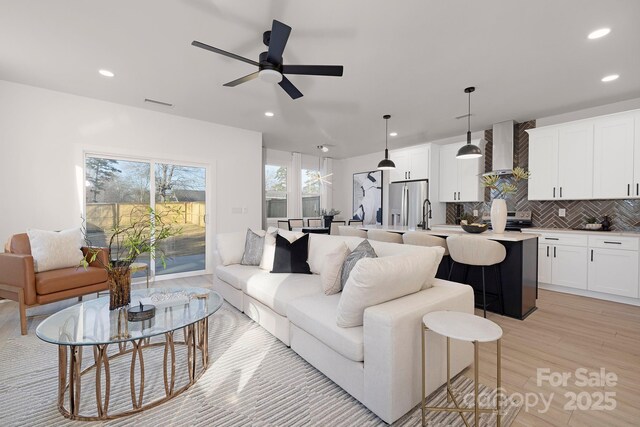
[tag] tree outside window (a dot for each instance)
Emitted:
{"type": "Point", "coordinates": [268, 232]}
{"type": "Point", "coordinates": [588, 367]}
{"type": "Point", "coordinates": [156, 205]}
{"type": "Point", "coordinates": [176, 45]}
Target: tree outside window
{"type": "Point", "coordinates": [275, 181]}
{"type": "Point", "coordinates": [310, 193]}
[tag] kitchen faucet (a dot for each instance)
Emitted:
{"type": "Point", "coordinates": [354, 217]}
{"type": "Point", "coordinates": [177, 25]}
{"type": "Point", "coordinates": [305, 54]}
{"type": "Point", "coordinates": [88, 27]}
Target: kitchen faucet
{"type": "Point", "coordinates": [426, 214]}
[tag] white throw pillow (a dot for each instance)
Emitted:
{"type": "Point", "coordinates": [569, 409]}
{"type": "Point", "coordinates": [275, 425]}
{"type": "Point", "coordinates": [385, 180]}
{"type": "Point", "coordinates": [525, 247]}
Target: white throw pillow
{"type": "Point", "coordinates": [52, 250]}
{"type": "Point", "coordinates": [269, 250]}
{"type": "Point", "coordinates": [384, 249]}
{"type": "Point", "coordinates": [231, 246]}
{"type": "Point", "coordinates": [321, 244]}
{"type": "Point", "coordinates": [376, 280]}
{"type": "Point", "coordinates": [332, 268]}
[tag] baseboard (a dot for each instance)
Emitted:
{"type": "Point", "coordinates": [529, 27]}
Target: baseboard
{"type": "Point", "coordinates": [590, 294]}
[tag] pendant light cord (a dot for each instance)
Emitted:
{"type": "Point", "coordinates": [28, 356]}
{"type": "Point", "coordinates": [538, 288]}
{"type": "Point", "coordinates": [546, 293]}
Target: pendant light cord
{"type": "Point", "coordinates": [386, 134]}
{"type": "Point", "coordinates": [469, 115]}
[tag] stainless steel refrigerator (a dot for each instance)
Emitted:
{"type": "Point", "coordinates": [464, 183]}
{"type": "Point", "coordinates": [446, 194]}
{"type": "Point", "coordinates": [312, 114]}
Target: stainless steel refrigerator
{"type": "Point", "coordinates": [406, 201]}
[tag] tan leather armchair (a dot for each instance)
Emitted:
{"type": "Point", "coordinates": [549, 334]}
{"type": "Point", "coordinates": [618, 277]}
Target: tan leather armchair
{"type": "Point", "coordinates": [19, 282]}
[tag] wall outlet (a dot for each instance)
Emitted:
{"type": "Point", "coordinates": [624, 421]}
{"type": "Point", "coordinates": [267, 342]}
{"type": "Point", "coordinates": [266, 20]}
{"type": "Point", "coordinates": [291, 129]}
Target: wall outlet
{"type": "Point", "coordinates": [475, 212]}
{"type": "Point", "coordinates": [562, 212]}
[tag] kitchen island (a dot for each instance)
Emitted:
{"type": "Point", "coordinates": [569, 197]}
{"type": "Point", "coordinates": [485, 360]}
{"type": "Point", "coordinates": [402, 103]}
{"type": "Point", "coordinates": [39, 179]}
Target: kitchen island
{"type": "Point", "coordinates": [519, 270]}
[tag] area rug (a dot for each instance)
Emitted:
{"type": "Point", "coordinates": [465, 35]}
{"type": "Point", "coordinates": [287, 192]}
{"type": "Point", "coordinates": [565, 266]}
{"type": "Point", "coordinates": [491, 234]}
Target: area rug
{"type": "Point", "coordinates": [253, 380]}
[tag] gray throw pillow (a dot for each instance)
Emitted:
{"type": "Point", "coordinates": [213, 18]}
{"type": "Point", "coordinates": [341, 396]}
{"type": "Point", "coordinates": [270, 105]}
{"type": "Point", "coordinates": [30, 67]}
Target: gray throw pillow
{"type": "Point", "coordinates": [363, 250]}
{"type": "Point", "coordinates": [252, 248]}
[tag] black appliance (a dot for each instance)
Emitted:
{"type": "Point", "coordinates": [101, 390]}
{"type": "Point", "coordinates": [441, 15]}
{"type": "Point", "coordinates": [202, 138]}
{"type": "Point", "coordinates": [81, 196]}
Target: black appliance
{"type": "Point", "coordinates": [516, 220]}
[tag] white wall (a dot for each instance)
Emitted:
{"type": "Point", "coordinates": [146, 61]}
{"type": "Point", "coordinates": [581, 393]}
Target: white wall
{"type": "Point", "coordinates": [44, 134]}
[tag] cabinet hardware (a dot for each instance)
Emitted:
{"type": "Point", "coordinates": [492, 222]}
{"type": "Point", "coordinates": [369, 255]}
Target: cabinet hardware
{"type": "Point", "coordinates": [554, 192]}
{"type": "Point", "coordinates": [454, 196]}
{"type": "Point", "coordinates": [591, 255]}
{"type": "Point", "coordinates": [637, 189]}
{"type": "Point", "coordinates": [613, 243]}
{"type": "Point", "coordinates": [409, 174]}
{"type": "Point", "coordinates": [547, 251]}
{"type": "Point", "coordinates": [554, 251]}
{"type": "Point", "coordinates": [459, 198]}
{"type": "Point", "coordinates": [551, 238]}
{"type": "Point", "coordinates": [560, 191]}
{"type": "Point", "coordinates": [405, 175]}
{"type": "Point", "coordinates": [628, 189]}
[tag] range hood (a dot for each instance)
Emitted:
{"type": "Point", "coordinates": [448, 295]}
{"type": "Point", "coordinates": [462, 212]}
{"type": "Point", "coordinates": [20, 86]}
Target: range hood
{"type": "Point", "coordinates": [503, 142]}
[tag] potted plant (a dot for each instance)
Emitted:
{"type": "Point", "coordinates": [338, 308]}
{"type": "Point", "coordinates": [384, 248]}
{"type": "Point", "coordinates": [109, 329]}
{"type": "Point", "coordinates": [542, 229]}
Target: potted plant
{"type": "Point", "coordinates": [592, 224]}
{"type": "Point", "coordinates": [504, 189]}
{"type": "Point", "coordinates": [138, 233]}
{"type": "Point", "coordinates": [328, 216]}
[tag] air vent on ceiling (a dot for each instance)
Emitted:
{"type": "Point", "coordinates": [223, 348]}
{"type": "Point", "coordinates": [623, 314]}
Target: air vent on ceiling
{"type": "Point", "coordinates": [153, 101]}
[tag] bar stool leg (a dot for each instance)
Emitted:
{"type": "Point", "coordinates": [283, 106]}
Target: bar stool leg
{"type": "Point", "coordinates": [499, 381]}
{"type": "Point", "coordinates": [501, 300]}
{"type": "Point", "coordinates": [476, 412]}
{"type": "Point", "coordinates": [423, 373]}
{"type": "Point", "coordinates": [451, 269]}
{"type": "Point", "coordinates": [484, 295]}
{"type": "Point", "coordinates": [448, 369]}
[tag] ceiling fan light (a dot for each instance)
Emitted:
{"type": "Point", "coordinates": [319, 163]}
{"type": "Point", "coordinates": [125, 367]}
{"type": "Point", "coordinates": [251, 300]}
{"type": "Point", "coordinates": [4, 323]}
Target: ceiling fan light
{"type": "Point", "coordinates": [270, 76]}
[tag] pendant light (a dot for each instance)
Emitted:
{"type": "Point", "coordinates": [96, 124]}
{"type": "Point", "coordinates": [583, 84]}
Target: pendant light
{"type": "Point", "coordinates": [469, 151]}
{"type": "Point", "coordinates": [386, 164]}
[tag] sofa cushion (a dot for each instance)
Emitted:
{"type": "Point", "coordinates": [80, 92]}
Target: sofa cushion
{"type": "Point", "coordinates": [53, 250]}
{"type": "Point", "coordinates": [332, 269]}
{"type": "Point", "coordinates": [316, 315]}
{"type": "Point", "coordinates": [48, 282]}
{"type": "Point", "coordinates": [254, 242]}
{"type": "Point", "coordinates": [277, 290]}
{"type": "Point", "coordinates": [376, 280]}
{"type": "Point", "coordinates": [236, 274]}
{"type": "Point", "coordinates": [363, 250]}
{"type": "Point", "coordinates": [230, 247]}
{"type": "Point", "coordinates": [321, 244]}
{"type": "Point", "coordinates": [291, 257]}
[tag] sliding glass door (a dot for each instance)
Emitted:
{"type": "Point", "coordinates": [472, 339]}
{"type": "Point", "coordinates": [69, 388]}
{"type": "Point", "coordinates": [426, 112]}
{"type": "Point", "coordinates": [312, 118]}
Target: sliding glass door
{"type": "Point", "coordinates": [118, 188]}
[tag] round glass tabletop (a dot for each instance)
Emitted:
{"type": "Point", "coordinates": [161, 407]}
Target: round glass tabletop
{"type": "Point", "coordinates": [91, 322]}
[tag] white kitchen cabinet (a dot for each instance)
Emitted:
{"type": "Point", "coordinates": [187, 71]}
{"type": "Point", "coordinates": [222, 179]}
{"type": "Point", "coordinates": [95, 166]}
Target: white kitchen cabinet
{"type": "Point", "coordinates": [562, 260]}
{"type": "Point", "coordinates": [561, 162]}
{"type": "Point", "coordinates": [544, 263]}
{"type": "Point", "coordinates": [460, 178]}
{"type": "Point", "coordinates": [613, 166]}
{"type": "Point", "coordinates": [614, 271]}
{"type": "Point", "coordinates": [411, 163]}
{"type": "Point", "coordinates": [543, 164]}
{"type": "Point", "coordinates": [636, 156]}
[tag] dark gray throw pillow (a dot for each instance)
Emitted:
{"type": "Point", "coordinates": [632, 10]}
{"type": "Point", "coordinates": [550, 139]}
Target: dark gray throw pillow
{"type": "Point", "coordinates": [252, 248]}
{"type": "Point", "coordinates": [363, 250]}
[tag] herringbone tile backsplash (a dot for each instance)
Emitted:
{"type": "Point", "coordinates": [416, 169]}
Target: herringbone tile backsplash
{"type": "Point", "coordinates": [624, 214]}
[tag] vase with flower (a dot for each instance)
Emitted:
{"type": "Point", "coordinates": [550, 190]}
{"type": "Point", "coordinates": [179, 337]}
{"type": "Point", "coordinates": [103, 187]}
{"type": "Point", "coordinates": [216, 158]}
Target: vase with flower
{"type": "Point", "coordinates": [502, 188]}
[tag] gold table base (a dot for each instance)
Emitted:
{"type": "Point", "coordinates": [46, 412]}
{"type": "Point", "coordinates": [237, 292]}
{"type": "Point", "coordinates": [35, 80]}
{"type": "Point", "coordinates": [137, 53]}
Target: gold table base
{"type": "Point", "coordinates": [196, 339]}
{"type": "Point", "coordinates": [476, 410]}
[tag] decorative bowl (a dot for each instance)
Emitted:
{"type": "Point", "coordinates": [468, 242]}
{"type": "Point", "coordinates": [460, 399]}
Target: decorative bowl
{"type": "Point", "coordinates": [593, 226]}
{"type": "Point", "coordinates": [475, 228]}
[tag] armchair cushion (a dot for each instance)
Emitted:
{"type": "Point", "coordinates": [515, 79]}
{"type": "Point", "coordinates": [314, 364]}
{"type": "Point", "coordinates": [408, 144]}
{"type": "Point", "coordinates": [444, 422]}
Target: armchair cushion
{"type": "Point", "coordinates": [52, 250]}
{"type": "Point", "coordinates": [63, 279]}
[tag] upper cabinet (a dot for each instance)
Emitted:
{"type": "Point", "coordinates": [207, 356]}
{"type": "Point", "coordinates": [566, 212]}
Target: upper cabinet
{"type": "Point", "coordinates": [460, 179]}
{"type": "Point", "coordinates": [596, 158]}
{"type": "Point", "coordinates": [613, 165]}
{"type": "Point", "coordinates": [411, 163]}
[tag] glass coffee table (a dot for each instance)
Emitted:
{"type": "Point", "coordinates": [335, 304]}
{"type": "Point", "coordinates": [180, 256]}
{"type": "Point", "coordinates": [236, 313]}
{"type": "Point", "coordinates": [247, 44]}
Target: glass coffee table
{"type": "Point", "coordinates": [92, 324]}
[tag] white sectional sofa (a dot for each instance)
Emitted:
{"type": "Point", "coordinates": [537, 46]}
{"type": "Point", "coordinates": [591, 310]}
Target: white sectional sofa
{"type": "Point", "coordinates": [377, 363]}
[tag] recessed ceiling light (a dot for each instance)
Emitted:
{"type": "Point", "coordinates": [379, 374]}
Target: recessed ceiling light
{"type": "Point", "coordinates": [269, 114]}
{"type": "Point", "coordinates": [610, 78]}
{"type": "Point", "coordinates": [393, 134]}
{"type": "Point", "coordinates": [323, 148]}
{"type": "Point", "coordinates": [599, 33]}
{"type": "Point", "coordinates": [106, 73]}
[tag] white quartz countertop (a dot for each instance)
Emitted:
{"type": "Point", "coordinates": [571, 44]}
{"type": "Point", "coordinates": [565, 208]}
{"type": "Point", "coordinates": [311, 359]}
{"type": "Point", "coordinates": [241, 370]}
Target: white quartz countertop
{"type": "Point", "coordinates": [452, 230]}
{"type": "Point", "coordinates": [589, 232]}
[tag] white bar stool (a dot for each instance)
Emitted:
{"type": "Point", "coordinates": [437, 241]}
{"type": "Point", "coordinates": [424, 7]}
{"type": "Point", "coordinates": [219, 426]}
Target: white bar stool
{"type": "Point", "coordinates": [464, 327]}
{"type": "Point", "coordinates": [479, 252]}
{"type": "Point", "coordinates": [384, 236]}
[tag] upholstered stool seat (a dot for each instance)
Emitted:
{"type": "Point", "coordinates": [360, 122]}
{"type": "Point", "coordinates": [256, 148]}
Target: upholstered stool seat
{"type": "Point", "coordinates": [478, 252]}
{"type": "Point", "coordinates": [384, 236]}
{"type": "Point", "coordinates": [423, 239]}
{"type": "Point", "coordinates": [345, 230]}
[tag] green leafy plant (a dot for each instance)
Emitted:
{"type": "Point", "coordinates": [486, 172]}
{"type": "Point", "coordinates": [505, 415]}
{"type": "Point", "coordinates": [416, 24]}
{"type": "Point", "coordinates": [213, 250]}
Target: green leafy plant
{"type": "Point", "coordinates": [140, 232]}
{"type": "Point", "coordinates": [507, 186]}
{"type": "Point", "coordinates": [591, 220]}
{"type": "Point", "coordinates": [331, 212]}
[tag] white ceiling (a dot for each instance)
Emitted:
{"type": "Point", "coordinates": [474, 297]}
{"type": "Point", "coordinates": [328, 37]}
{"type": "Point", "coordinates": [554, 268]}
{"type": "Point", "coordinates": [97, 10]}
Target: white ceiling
{"type": "Point", "coordinates": [411, 59]}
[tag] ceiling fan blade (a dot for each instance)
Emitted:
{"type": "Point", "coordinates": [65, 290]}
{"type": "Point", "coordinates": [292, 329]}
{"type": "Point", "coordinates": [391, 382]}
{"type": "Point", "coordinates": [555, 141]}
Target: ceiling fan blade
{"type": "Point", "coordinates": [223, 52]}
{"type": "Point", "coordinates": [314, 70]}
{"type": "Point", "coordinates": [278, 40]}
{"type": "Point", "coordinates": [242, 79]}
{"type": "Point", "coordinates": [288, 87]}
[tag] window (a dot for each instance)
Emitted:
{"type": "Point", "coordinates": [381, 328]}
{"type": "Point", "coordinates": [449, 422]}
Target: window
{"type": "Point", "coordinates": [275, 182]}
{"type": "Point", "coordinates": [310, 193]}
{"type": "Point", "coordinates": [117, 188]}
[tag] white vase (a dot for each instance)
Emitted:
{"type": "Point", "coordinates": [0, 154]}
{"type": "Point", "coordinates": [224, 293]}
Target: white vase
{"type": "Point", "coordinates": [498, 215]}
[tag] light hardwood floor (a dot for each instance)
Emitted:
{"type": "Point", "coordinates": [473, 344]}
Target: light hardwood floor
{"type": "Point", "coordinates": [566, 333]}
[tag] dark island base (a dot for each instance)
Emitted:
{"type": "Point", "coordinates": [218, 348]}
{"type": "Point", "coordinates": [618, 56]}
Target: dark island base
{"type": "Point", "coordinates": [519, 272]}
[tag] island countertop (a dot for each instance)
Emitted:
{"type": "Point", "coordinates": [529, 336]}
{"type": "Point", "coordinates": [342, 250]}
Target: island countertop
{"type": "Point", "coordinates": [452, 230]}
